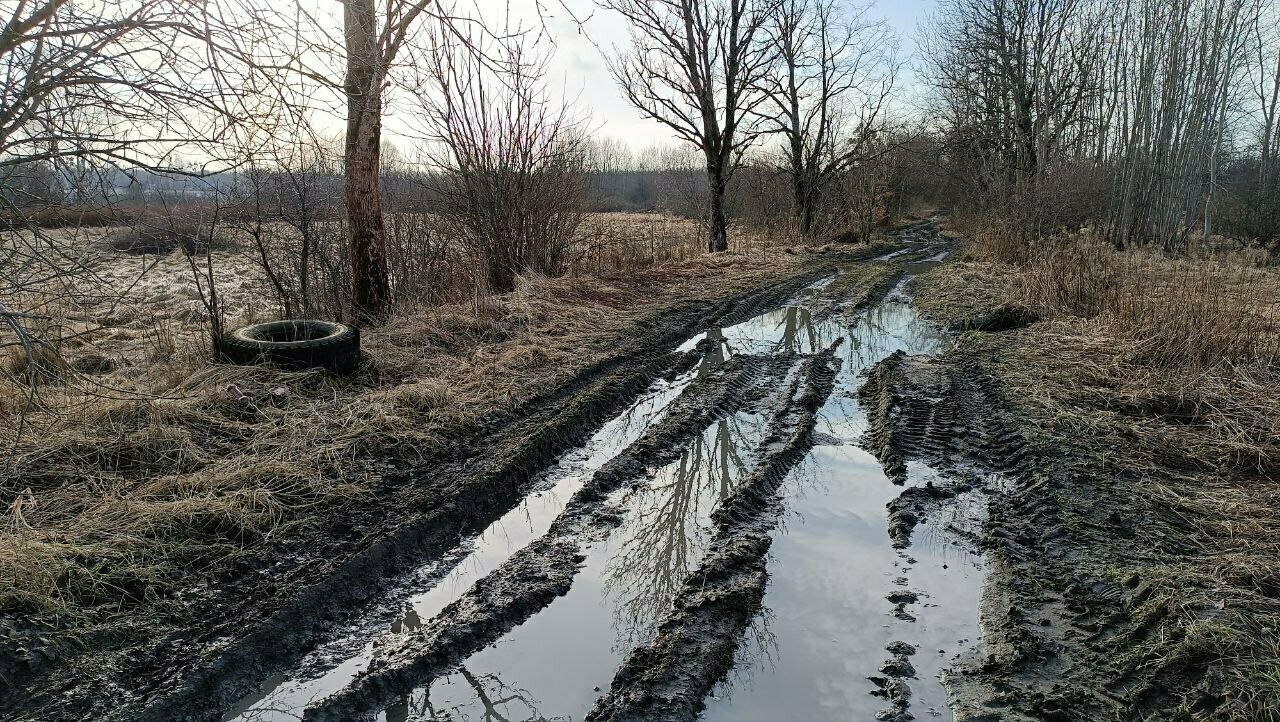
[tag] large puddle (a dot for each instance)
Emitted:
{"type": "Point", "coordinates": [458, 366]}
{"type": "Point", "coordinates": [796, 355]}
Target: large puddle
{"type": "Point", "coordinates": [555, 665]}
{"type": "Point", "coordinates": [834, 609]}
{"type": "Point", "coordinates": [283, 698]}
{"type": "Point", "coordinates": [829, 623]}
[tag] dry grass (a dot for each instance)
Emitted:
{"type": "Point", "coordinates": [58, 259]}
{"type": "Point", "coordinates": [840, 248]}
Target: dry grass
{"type": "Point", "coordinates": [143, 481]}
{"type": "Point", "coordinates": [1168, 370]}
{"type": "Point", "coordinates": [1193, 314]}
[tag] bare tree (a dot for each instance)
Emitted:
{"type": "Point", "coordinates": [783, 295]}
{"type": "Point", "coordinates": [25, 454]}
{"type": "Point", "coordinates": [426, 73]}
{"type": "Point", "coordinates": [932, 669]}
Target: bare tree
{"type": "Point", "coordinates": [371, 47]}
{"type": "Point", "coordinates": [698, 68]}
{"type": "Point", "coordinates": [1018, 75]}
{"type": "Point", "coordinates": [92, 92]}
{"type": "Point", "coordinates": [1146, 94]}
{"type": "Point", "coordinates": [512, 157]}
{"type": "Point", "coordinates": [827, 91]}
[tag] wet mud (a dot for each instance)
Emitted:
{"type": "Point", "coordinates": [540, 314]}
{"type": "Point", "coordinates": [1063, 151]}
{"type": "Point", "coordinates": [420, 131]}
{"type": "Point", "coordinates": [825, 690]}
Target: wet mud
{"type": "Point", "coordinates": [491, 652]}
{"type": "Point", "coordinates": [545, 569]}
{"type": "Point", "coordinates": [202, 653]}
{"type": "Point", "coordinates": [1002, 318]}
{"type": "Point", "coordinates": [699, 512]}
{"type": "Point", "coordinates": [694, 648]}
{"type": "Point", "coordinates": [1063, 636]}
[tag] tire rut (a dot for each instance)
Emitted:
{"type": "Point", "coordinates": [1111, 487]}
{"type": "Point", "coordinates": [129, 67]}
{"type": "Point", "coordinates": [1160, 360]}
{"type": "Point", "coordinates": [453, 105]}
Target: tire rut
{"type": "Point", "coordinates": [669, 678]}
{"type": "Point", "coordinates": [925, 409]}
{"type": "Point", "coordinates": [545, 569]}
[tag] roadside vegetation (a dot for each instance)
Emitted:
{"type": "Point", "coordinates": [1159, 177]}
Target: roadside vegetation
{"type": "Point", "coordinates": [1163, 372]}
{"type": "Point", "coordinates": [169, 171]}
{"type": "Point", "coordinates": [1124, 209]}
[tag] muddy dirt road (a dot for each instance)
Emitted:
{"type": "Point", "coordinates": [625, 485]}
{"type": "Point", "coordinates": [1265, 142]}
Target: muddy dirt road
{"type": "Point", "coordinates": [721, 549]}
{"type": "Point", "coordinates": [749, 523]}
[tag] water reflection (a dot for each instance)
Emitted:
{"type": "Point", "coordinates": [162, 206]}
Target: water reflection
{"type": "Point", "coordinates": [668, 529]}
{"type": "Point", "coordinates": [464, 696]}
{"type": "Point", "coordinates": [282, 698]}
{"type": "Point", "coordinates": [715, 354]}
{"type": "Point", "coordinates": [628, 582]}
{"type": "Point", "coordinates": [625, 587]}
{"type": "Point", "coordinates": [797, 327]}
{"type": "Point", "coordinates": [832, 564]}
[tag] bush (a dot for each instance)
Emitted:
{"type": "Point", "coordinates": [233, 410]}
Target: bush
{"type": "Point", "coordinates": [162, 235]}
{"type": "Point", "coordinates": [1180, 313]}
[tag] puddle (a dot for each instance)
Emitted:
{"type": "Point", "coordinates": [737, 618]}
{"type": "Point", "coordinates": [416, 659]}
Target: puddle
{"type": "Point", "coordinates": [834, 606]}
{"type": "Point", "coordinates": [283, 698]}
{"type": "Point", "coordinates": [828, 619]}
{"type": "Point", "coordinates": [554, 666]}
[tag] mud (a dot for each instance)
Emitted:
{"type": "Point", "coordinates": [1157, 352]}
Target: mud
{"type": "Point", "coordinates": [668, 678]}
{"type": "Point", "coordinates": [924, 408]}
{"type": "Point", "coordinates": [1063, 636]}
{"type": "Point", "coordinates": [545, 569]}
{"type": "Point", "coordinates": [349, 573]}
{"type": "Point", "coordinates": [269, 610]}
{"type": "Point", "coordinates": [893, 685]}
{"type": "Point", "coordinates": [1002, 318]}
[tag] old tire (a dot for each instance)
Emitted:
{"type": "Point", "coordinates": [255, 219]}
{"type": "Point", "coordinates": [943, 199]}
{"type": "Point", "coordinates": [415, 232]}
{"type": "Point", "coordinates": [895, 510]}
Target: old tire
{"type": "Point", "coordinates": [294, 344]}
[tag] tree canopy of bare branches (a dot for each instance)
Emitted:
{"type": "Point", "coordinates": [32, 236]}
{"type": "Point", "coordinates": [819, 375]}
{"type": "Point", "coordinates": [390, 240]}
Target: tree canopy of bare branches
{"type": "Point", "coordinates": [510, 157]}
{"type": "Point", "coordinates": [827, 91]}
{"type": "Point", "coordinates": [90, 92]}
{"type": "Point", "coordinates": [698, 68]}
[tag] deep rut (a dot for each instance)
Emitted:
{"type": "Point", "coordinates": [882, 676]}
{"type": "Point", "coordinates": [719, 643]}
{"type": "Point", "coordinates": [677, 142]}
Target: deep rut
{"type": "Point", "coordinates": [545, 569]}
{"type": "Point", "coordinates": [748, 410]}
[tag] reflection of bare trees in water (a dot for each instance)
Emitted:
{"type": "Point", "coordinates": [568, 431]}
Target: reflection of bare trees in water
{"type": "Point", "coordinates": [638, 417]}
{"type": "Point", "coordinates": [717, 351]}
{"type": "Point", "coordinates": [797, 327]}
{"type": "Point", "coordinates": [871, 334]}
{"type": "Point", "coordinates": [494, 701]}
{"type": "Point", "coordinates": [666, 530]}
{"type": "Point", "coordinates": [758, 652]}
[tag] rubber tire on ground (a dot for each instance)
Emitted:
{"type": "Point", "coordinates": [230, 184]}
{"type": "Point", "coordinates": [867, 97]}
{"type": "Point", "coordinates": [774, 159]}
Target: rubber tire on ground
{"type": "Point", "coordinates": [324, 344]}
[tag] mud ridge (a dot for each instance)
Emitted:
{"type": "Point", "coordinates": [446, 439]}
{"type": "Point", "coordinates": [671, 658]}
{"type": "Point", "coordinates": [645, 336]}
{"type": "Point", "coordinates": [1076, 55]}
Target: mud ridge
{"type": "Point", "coordinates": [917, 408]}
{"type": "Point", "coordinates": [669, 678]}
{"type": "Point", "coordinates": [867, 297]}
{"type": "Point", "coordinates": [1064, 637]}
{"type": "Point", "coordinates": [248, 628]}
{"type": "Point", "coordinates": [544, 570]}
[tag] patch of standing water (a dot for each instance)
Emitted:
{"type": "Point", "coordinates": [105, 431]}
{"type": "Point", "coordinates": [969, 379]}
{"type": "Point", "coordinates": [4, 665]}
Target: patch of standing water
{"type": "Point", "coordinates": [827, 619]}
{"type": "Point", "coordinates": [840, 596]}
{"type": "Point", "coordinates": [554, 665]}
{"type": "Point", "coordinates": [283, 698]}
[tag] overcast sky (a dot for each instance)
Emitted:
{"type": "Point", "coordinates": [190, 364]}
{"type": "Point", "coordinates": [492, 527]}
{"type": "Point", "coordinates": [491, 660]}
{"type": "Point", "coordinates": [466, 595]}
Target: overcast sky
{"type": "Point", "coordinates": [578, 67]}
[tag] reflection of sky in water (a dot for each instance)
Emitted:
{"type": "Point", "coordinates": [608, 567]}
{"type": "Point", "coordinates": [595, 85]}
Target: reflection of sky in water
{"type": "Point", "coordinates": [832, 564]}
{"type": "Point", "coordinates": [826, 621]}
{"type": "Point", "coordinates": [283, 698]}
{"type": "Point", "coordinates": [558, 658]}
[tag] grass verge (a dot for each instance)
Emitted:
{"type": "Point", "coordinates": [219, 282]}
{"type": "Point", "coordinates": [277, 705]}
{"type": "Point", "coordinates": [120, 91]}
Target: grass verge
{"type": "Point", "coordinates": [115, 502]}
{"type": "Point", "coordinates": [1165, 374]}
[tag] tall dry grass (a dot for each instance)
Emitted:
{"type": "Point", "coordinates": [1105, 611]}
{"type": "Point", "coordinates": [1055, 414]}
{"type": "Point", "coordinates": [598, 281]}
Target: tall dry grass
{"type": "Point", "coordinates": [1165, 372]}
{"type": "Point", "coordinates": [1185, 313]}
{"type": "Point", "coordinates": [110, 502]}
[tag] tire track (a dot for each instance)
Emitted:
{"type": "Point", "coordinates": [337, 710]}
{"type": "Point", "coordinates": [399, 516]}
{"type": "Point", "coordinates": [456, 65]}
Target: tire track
{"type": "Point", "coordinates": [534, 576]}
{"type": "Point", "coordinates": [668, 678]}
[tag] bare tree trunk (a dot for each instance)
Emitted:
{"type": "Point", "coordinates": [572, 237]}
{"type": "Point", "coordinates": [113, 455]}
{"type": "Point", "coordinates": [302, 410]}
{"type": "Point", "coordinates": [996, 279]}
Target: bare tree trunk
{"type": "Point", "coordinates": [371, 292]}
{"type": "Point", "coordinates": [698, 67]}
{"type": "Point", "coordinates": [717, 224]}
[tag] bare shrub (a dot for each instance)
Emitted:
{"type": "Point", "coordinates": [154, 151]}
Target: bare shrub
{"type": "Point", "coordinates": [65, 216]}
{"type": "Point", "coordinates": [1179, 313]}
{"type": "Point", "coordinates": [160, 234]}
{"type": "Point", "coordinates": [427, 265]}
{"type": "Point", "coordinates": [512, 185]}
